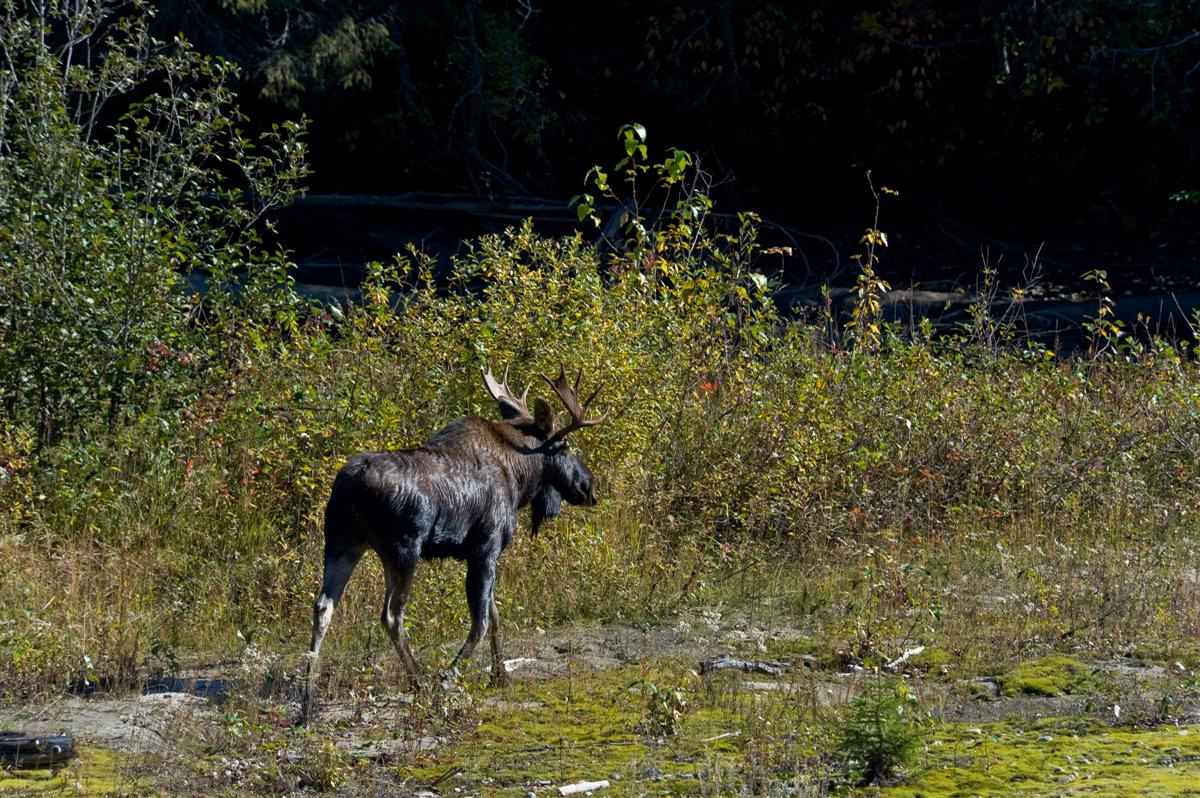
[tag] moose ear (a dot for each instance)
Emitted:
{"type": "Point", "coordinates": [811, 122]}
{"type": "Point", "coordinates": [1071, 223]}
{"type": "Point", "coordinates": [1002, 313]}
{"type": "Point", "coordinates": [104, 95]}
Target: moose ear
{"type": "Point", "coordinates": [543, 417]}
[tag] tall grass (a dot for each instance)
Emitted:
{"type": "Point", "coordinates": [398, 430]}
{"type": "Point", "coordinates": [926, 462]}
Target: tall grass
{"type": "Point", "coordinates": [988, 501]}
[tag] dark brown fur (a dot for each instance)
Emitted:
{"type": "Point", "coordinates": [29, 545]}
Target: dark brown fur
{"type": "Point", "coordinates": [456, 496]}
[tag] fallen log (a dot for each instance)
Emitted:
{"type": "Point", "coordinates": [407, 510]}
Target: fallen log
{"type": "Point", "coordinates": [723, 662]}
{"type": "Point", "coordinates": [20, 750]}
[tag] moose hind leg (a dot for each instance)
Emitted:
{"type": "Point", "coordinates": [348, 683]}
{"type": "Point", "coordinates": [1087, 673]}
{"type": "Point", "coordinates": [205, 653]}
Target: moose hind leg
{"type": "Point", "coordinates": [481, 576]}
{"type": "Point", "coordinates": [499, 675]}
{"type": "Point", "coordinates": [398, 587]}
{"type": "Point", "coordinates": [338, 569]}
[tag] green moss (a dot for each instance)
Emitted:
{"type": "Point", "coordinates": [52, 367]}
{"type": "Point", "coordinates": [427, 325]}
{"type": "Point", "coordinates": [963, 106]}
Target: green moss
{"type": "Point", "coordinates": [1049, 676]}
{"type": "Point", "coordinates": [935, 662]}
{"type": "Point", "coordinates": [1057, 757]}
{"type": "Point", "coordinates": [730, 738]}
{"type": "Point", "coordinates": [594, 725]}
{"type": "Point", "coordinates": [581, 726]}
{"type": "Point", "coordinates": [1168, 652]}
{"type": "Point", "coordinates": [976, 690]}
{"type": "Point", "coordinates": [96, 771]}
{"type": "Point", "coordinates": [733, 740]}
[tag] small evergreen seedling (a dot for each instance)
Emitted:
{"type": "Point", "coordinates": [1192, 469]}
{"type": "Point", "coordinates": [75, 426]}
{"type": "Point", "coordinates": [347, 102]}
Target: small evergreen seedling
{"type": "Point", "coordinates": [883, 731]}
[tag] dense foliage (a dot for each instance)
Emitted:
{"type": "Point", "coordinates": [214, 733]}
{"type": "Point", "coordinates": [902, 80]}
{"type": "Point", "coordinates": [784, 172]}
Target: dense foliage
{"type": "Point", "coordinates": [123, 175]}
{"type": "Point", "coordinates": [729, 426]}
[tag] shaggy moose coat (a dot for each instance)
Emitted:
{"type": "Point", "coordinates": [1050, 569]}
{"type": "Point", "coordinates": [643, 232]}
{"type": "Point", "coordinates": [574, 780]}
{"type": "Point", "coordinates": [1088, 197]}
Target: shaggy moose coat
{"type": "Point", "coordinates": [456, 496]}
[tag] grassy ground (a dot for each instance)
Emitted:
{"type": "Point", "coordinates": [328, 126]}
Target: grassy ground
{"type": "Point", "coordinates": [626, 703]}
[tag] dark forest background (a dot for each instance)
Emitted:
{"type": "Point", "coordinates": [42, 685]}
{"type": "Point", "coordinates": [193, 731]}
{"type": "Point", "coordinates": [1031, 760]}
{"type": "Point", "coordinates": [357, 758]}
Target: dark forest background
{"type": "Point", "coordinates": [1070, 118]}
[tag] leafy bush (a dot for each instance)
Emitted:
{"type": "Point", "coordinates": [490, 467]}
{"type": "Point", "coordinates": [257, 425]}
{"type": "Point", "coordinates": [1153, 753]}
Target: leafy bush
{"type": "Point", "coordinates": [122, 169]}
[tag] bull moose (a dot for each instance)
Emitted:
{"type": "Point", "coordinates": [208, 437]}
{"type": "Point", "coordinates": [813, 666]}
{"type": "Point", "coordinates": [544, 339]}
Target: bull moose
{"type": "Point", "coordinates": [456, 496]}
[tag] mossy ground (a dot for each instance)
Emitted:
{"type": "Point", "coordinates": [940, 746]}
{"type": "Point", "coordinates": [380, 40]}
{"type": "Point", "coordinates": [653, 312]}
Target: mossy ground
{"type": "Point", "coordinates": [652, 727]}
{"type": "Point", "coordinates": [1049, 676]}
{"type": "Point", "coordinates": [96, 771]}
{"type": "Point", "coordinates": [731, 735]}
{"type": "Point", "coordinates": [635, 725]}
{"type": "Point", "coordinates": [1057, 756]}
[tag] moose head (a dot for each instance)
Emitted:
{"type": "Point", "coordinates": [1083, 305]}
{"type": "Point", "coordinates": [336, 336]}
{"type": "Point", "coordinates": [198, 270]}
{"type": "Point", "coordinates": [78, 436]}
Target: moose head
{"type": "Point", "coordinates": [564, 475]}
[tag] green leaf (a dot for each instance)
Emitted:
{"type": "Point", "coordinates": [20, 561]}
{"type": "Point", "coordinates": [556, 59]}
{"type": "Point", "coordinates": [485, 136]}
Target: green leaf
{"type": "Point", "coordinates": [630, 131]}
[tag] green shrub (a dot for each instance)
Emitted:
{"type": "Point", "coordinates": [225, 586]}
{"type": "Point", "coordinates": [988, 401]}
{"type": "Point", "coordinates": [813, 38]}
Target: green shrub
{"type": "Point", "coordinates": [883, 731]}
{"type": "Point", "coordinates": [120, 173]}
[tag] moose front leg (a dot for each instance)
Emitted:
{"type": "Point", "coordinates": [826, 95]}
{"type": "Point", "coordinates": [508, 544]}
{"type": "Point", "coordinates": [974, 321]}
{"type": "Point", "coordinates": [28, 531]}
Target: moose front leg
{"type": "Point", "coordinates": [481, 577]}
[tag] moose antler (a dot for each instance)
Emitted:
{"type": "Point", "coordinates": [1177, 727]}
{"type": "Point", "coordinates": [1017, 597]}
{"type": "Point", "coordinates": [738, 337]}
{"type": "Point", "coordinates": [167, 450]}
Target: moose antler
{"type": "Point", "coordinates": [570, 398]}
{"type": "Point", "coordinates": [510, 406]}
